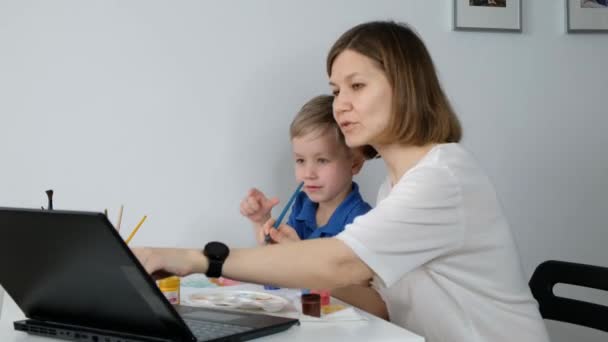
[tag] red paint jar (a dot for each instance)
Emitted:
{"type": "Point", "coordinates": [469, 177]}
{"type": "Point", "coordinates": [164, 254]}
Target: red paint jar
{"type": "Point", "coordinates": [311, 304]}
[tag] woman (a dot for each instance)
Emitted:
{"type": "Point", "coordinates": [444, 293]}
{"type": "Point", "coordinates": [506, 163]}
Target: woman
{"type": "Point", "coordinates": [437, 247]}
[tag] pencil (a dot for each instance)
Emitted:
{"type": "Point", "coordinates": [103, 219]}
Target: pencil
{"type": "Point", "coordinates": [119, 217]}
{"type": "Point", "coordinates": [135, 229]}
{"type": "Point", "coordinates": [287, 206]}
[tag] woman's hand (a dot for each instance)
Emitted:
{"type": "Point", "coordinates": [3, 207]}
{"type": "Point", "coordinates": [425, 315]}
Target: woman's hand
{"type": "Point", "coordinates": [284, 234]}
{"type": "Point", "coordinates": [164, 262]}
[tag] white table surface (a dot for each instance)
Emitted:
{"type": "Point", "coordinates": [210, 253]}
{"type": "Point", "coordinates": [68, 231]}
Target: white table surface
{"type": "Point", "coordinates": [372, 329]}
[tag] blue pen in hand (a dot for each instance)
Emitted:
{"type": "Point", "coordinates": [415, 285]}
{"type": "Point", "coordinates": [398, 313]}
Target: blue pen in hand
{"type": "Point", "coordinates": [276, 225]}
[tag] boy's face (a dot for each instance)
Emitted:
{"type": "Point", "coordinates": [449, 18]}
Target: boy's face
{"type": "Point", "coordinates": [324, 165]}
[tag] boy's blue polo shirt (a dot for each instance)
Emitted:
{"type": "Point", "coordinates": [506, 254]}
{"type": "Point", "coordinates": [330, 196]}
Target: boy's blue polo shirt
{"type": "Point", "coordinates": [304, 212]}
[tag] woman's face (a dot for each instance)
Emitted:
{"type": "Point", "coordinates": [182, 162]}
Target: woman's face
{"type": "Point", "coordinates": [363, 97]}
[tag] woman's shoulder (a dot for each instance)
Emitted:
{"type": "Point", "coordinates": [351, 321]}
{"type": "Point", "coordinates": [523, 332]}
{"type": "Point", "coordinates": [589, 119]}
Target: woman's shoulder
{"type": "Point", "coordinates": [449, 166]}
{"type": "Point", "coordinates": [447, 159]}
{"type": "Point", "coordinates": [446, 155]}
{"type": "Point", "coordinates": [445, 166]}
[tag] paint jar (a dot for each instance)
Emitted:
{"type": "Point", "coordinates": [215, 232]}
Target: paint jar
{"type": "Point", "coordinates": [311, 304]}
{"type": "Point", "coordinates": [227, 281]}
{"type": "Point", "coordinates": [271, 287]}
{"type": "Point", "coordinates": [221, 281]}
{"type": "Point", "coordinates": [325, 296]}
{"type": "Point", "coordinates": [170, 288]}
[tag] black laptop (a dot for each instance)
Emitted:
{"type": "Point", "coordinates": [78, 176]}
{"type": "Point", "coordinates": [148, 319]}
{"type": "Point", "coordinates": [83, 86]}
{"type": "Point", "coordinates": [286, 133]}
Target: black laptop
{"type": "Point", "coordinates": [75, 279]}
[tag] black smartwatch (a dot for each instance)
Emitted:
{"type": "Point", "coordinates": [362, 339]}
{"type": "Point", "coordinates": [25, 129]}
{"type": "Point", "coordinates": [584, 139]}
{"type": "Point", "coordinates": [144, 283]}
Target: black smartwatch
{"type": "Point", "coordinates": [216, 253]}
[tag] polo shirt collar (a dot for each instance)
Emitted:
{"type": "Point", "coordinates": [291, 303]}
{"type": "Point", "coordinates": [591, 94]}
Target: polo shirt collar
{"type": "Point", "coordinates": [336, 222]}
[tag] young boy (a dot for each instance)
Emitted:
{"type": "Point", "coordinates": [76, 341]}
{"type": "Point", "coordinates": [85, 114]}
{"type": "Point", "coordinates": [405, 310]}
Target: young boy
{"type": "Point", "coordinates": [329, 199]}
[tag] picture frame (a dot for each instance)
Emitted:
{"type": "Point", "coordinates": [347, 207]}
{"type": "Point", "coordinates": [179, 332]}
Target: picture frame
{"type": "Point", "coordinates": [586, 16]}
{"type": "Point", "coordinates": [487, 15]}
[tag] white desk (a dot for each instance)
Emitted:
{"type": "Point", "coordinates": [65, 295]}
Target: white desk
{"type": "Point", "coordinates": [374, 329]}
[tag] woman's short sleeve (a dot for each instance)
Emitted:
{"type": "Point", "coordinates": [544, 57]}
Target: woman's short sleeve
{"type": "Point", "coordinates": [420, 219]}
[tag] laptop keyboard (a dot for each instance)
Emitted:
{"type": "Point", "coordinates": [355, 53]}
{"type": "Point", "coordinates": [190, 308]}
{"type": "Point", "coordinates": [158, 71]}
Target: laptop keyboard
{"type": "Point", "coordinates": [205, 330]}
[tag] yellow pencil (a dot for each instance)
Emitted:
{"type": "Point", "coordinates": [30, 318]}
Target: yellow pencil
{"type": "Point", "coordinates": [119, 217]}
{"type": "Point", "coordinates": [136, 228]}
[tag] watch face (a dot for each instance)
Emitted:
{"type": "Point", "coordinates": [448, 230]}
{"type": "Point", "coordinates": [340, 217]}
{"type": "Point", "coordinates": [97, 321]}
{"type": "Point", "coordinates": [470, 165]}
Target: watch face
{"type": "Point", "coordinates": [216, 250]}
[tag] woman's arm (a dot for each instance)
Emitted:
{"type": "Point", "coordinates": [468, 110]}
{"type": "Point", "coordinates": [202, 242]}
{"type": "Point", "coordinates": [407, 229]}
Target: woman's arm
{"type": "Point", "coordinates": [317, 264]}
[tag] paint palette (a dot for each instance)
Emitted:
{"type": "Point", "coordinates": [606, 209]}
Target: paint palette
{"type": "Point", "coordinates": [243, 300]}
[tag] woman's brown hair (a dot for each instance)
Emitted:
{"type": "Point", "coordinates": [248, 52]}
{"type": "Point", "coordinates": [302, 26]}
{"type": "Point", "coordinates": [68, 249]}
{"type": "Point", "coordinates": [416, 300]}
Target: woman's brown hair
{"type": "Point", "coordinates": [421, 113]}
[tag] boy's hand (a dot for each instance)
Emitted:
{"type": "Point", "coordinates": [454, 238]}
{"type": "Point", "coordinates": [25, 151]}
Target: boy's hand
{"type": "Point", "coordinates": [256, 206]}
{"type": "Point", "coordinates": [284, 234]}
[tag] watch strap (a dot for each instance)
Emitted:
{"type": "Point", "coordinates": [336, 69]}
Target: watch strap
{"type": "Point", "coordinates": [214, 270]}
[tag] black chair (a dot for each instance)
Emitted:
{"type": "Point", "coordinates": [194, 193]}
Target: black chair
{"type": "Point", "coordinates": [552, 307]}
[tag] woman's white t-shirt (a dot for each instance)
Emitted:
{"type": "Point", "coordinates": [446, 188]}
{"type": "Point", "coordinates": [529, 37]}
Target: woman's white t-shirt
{"type": "Point", "coordinates": [444, 259]}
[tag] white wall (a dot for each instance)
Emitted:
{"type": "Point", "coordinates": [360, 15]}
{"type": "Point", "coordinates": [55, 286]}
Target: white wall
{"type": "Point", "coordinates": [176, 108]}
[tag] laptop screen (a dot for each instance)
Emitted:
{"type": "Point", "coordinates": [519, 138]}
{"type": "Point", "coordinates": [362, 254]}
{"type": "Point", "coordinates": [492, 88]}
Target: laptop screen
{"type": "Point", "coordinates": [74, 268]}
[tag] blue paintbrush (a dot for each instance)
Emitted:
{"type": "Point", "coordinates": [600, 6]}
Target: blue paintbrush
{"type": "Point", "coordinates": [276, 225]}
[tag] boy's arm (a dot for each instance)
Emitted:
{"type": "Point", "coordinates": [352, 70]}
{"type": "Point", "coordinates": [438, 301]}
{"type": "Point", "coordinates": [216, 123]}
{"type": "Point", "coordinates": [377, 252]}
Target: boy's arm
{"type": "Point", "coordinates": [363, 297]}
{"type": "Point", "coordinates": [288, 232]}
{"type": "Point", "coordinates": [258, 232]}
{"type": "Point", "coordinates": [257, 207]}
{"type": "Point", "coordinates": [284, 234]}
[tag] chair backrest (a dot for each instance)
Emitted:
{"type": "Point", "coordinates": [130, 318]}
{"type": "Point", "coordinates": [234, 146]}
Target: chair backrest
{"type": "Point", "coordinates": [551, 272]}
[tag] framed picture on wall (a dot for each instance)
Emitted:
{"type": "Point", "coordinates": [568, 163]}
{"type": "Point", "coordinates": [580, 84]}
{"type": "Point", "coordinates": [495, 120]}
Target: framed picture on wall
{"type": "Point", "coordinates": [587, 15]}
{"type": "Point", "coordinates": [482, 15]}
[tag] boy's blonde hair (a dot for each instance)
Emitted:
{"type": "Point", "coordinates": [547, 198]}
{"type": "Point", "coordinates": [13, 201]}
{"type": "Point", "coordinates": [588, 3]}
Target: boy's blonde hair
{"type": "Point", "coordinates": [317, 116]}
